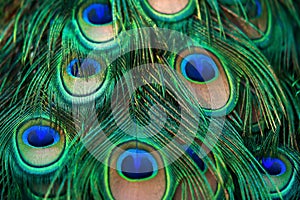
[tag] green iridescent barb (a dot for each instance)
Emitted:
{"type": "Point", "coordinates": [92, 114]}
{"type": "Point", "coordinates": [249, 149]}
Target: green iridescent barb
{"type": "Point", "coordinates": [150, 99]}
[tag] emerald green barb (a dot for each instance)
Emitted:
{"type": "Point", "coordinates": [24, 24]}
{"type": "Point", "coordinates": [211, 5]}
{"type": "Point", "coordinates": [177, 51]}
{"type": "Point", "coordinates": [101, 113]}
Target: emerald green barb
{"type": "Point", "coordinates": [125, 99]}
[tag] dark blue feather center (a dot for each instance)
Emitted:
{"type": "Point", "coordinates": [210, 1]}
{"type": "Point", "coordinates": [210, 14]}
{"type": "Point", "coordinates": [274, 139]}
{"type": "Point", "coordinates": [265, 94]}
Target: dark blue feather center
{"type": "Point", "coordinates": [258, 8]}
{"type": "Point", "coordinates": [83, 67]}
{"type": "Point", "coordinates": [254, 9]}
{"type": "Point", "coordinates": [136, 164]}
{"type": "Point", "coordinates": [196, 158]}
{"type": "Point", "coordinates": [273, 166]}
{"type": "Point", "coordinates": [40, 136]}
{"type": "Point", "coordinates": [98, 14]}
{"type": "Point", "coordinates": [199, 68]}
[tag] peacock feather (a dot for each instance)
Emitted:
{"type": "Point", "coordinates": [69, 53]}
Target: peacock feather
{"type": "Point", "coordinates": [148, 99]}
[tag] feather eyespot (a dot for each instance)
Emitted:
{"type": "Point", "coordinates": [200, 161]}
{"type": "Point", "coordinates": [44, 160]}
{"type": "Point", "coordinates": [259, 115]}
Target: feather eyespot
{"type": "Point", "coordinates": [169, 10]}
{"type": "Point", "coordinates": [205, 166]}
{"type": "Point", "coordinates": [96, 22]}
{"type": "Point", "coordinates": [206, 75]}
{"type": "Point", "coordinates": [133, 169]}
{"type": "Point", "coordinates": [136, 164]}
{"type": "Point", "coordinates": [280, 173]}
{"type": "Point", "coordinates": [259, 16]}
{"type": "Point", "coordinates": [82, 77]}
{"type": "Point", "coordinates": [40, 143]}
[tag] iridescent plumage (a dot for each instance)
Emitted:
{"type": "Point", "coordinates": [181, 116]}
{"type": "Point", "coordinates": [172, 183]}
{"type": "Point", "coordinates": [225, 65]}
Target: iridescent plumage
{"type": "Point", "coordinates": [150, 99]}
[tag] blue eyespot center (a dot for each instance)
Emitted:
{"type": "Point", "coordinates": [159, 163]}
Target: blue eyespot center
{"type": "Point", "coordinates": [98, 14]}
{"type": "Point", "coordinates": [196, 158]}
{"type": "Point", "coordinates": [136, 164]}
{"type": "Point", "coordinates": [254, 9]}
{"type": "Point", "coordinates": [258, 8]}
{"type": "Point", "coordinates": [273, 166]}
{"type": "Point", "coordinates": [40, 136]}
{"type": "Point", "coordinates": [199, 68]}
{"type": "Point", "coordinates": [83, 67]}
